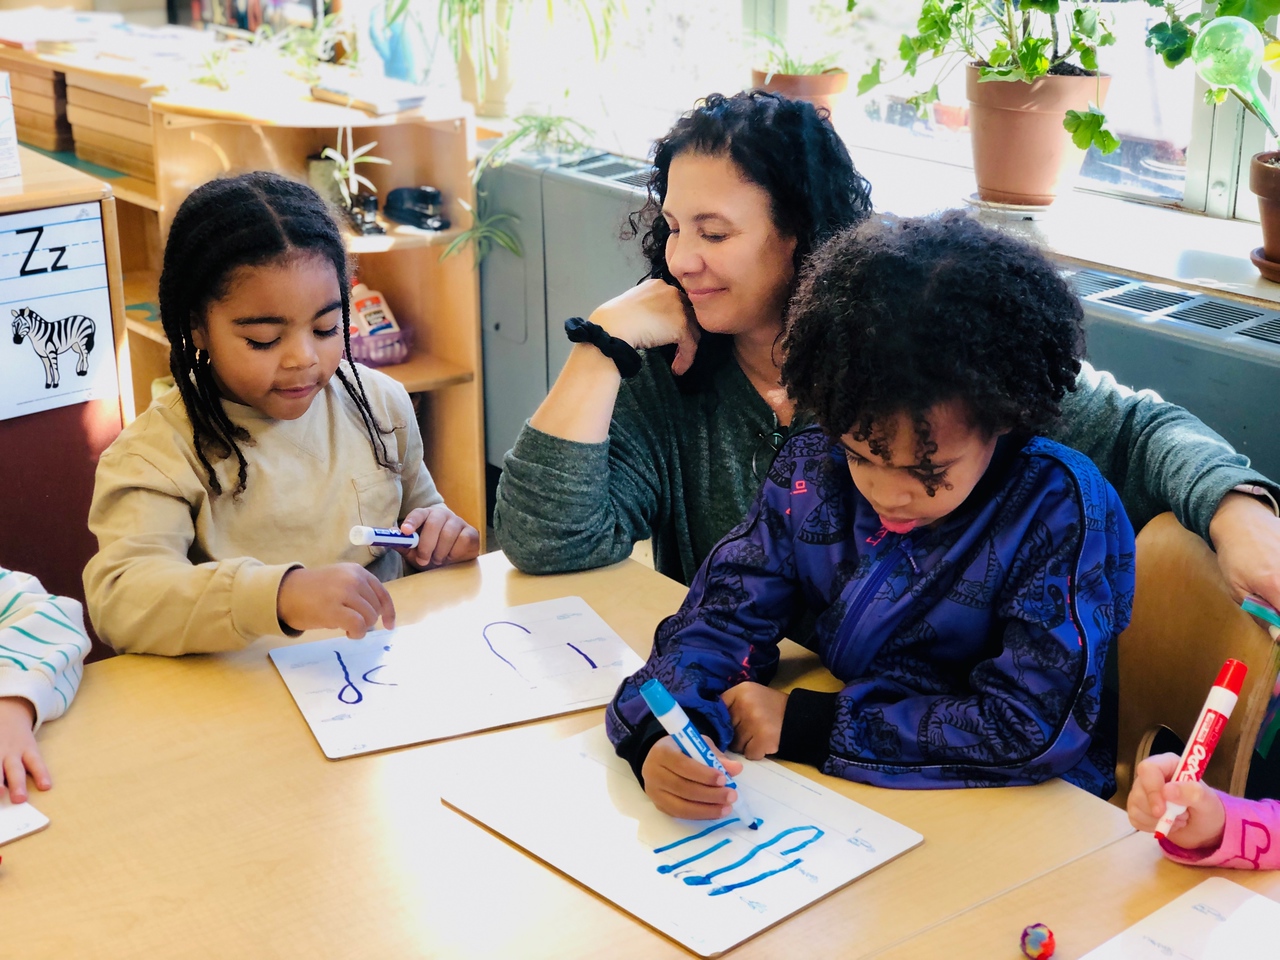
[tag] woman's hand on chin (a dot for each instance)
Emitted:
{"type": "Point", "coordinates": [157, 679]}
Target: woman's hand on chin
{"type": "Point", "coordinates": [653, 314]}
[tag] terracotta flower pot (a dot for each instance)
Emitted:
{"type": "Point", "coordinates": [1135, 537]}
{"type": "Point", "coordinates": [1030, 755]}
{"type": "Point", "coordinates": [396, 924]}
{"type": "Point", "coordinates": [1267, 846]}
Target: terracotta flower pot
{"type": "Point", "coordinates": [1264, 180]}
{"type": "Point", "coordinates": [1021, 152]}
{"type": "Point", "coordinates": [820, 89]}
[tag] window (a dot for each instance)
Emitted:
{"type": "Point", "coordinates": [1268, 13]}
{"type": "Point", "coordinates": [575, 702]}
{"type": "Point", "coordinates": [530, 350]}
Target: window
{"type": "Point", "coordinates": [664, 56]}
{"type": "Point", "coordinates": [1150, 107]}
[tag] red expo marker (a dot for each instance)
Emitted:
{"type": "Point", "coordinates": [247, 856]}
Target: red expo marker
{"type": "Point", "coordinates": [1204, 736]}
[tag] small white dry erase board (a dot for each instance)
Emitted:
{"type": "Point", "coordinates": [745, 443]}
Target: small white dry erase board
{"type": "Point", "coordinates": [709, 885]}
{"type": "Point", "coordinates": [1217, 920]}
{"type": "Point", "coordinates": [19, 819]}
{"type": "Point", "coordinates": [453, 673]}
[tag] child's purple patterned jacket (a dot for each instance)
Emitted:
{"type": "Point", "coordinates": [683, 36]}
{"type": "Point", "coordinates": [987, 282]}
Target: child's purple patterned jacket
{"type": "Point", "coordinates": [972, 651]}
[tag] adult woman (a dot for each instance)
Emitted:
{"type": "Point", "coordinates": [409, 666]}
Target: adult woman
{"type": "Point", "coordinates": [743, 188]}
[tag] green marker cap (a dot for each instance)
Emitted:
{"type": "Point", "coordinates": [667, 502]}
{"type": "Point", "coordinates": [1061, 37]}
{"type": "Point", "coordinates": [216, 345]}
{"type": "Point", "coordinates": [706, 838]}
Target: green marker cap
{"type": "Point", "coordinates": [1261, 609]}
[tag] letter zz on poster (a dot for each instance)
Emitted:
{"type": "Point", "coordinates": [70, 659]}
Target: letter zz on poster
{"type": "Point", "coordinates": [56, 342]}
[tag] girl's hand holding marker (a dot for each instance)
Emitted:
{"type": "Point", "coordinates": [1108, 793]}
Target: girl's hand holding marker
{"type": "Point", "coordinates": [442, 537]}
{"type": "Point", "coordinates": [1203, 818]}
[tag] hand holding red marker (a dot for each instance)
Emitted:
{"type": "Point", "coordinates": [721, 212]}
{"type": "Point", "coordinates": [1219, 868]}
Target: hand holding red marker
{"type": "Point", "coordinates": [1205, 735]}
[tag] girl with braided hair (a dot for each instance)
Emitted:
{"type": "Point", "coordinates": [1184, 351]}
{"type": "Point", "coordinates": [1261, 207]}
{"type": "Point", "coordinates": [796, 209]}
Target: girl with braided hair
{"type": "Point", "coordinates": [223, 512]}
{"type": "Point", "coordinates": [967, 574]}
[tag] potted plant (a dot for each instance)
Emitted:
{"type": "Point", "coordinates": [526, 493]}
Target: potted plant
{"type": "Point", "coordinates": [818, 81]}
{"type": "Point", "coordinates": [360, 207]}
{"type": "Point", "coordinates": [1035, 93]}
{"type": "Point", "coordinates": [1264, 181]}
{"type": "Point", "coordinates": [479, 34]}
{"type": "Point", "coordinates": [539, 133]}
{"type": "Point", "coordinates": [1228, 51]}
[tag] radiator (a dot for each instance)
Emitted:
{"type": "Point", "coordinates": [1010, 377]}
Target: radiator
{"type": "Point", "coordinates": [1218, 358]}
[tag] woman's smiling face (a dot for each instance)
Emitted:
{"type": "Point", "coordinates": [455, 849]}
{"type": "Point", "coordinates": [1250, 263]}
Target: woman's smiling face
{"type": "Point", "coordinates": [724, 250]}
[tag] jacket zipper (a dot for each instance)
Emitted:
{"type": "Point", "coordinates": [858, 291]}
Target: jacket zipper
{"type": "Point", "coordinates": [879, 574]}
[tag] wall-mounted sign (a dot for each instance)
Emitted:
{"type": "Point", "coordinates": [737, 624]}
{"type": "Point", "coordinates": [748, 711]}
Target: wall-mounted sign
{"type": "Point", "coordinates": [56, 343]}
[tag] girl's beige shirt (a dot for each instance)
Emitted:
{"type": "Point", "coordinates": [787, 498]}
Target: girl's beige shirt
{"type": "Point", "coordinates": [180, 570]}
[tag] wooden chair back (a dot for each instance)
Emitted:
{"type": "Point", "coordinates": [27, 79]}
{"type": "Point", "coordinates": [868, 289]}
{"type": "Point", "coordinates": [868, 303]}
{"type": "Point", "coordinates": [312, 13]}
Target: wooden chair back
{"type": "Point", "coordinates": [1185, 624]}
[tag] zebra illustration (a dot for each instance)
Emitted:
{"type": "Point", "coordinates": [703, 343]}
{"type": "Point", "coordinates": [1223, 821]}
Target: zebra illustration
{"type": "Point", "coordinates": [48, 339]}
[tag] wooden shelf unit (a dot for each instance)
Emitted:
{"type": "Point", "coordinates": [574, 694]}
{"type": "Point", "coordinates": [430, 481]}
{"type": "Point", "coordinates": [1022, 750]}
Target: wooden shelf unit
{"type": "Point", "coordinates": [199, 139]}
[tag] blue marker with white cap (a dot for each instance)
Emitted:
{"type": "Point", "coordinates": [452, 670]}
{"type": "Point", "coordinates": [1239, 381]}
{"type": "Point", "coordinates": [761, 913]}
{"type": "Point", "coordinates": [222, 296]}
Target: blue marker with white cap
{"type": "Point", "coordinates": [382, 537]}
{"type": "Point", "coordinates": [688, 738]}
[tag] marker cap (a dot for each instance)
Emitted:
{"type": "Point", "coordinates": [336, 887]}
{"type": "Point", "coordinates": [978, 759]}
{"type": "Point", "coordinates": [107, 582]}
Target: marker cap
{"type": "Point", "coordinates": [1231, 676]}
{"type": "Point", "coordinates": [657, 697]}
{"type": "Point", "coordinates": [1261, 609]}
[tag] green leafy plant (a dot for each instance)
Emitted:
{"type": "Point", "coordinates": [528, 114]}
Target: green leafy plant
{"type": "Point", "coordinates": [478, 27]}
{"type": "Point", "coordinates": [1009, 43]}
{"type": "Point", "coordinates": [484, 232]}
{"type": "Point", "coordinates": [307, 47]}
{"type": "Point", "coordinates": [214, 73]}
{"type": "Point", "coordinates": [542, 133]}
{"type": "Point", "coordinates": [344, 170]}
{"type": "Point", "coordinates": [779, 60]}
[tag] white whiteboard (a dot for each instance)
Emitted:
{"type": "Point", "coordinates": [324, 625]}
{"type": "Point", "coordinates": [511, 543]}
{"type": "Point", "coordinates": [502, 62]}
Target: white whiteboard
{"type": "Point", "coordinates": [19, 819]}
{"type": "Point", "coordinates": [1216, 920]}
{"type": "Point", "coordinates": [708, 885]}
{"type": "Point", "coordinates": [53, 270]}
{"type": "Point", "coordinates": [453, 673]}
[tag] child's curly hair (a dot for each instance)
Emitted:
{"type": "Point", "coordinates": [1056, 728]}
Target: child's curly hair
{"type": "Point", "coordinates": [899, 316]}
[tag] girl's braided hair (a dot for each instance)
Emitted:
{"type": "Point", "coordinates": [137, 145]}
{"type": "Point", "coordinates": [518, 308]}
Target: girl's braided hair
{"type": "Point", "coordinates": [243, 221]}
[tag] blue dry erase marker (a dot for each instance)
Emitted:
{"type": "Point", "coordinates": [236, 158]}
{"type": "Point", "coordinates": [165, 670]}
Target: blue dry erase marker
{"type": "Point", "coordinates": [382, 537]}
{"type": "Point", "coordinates": [687, 737]}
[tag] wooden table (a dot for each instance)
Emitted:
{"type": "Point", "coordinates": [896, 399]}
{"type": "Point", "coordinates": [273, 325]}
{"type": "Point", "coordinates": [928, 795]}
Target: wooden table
{"type": "Point", "coordinates": [194, 816]}
{"type": "Point", "coordinates": [1084, 903]}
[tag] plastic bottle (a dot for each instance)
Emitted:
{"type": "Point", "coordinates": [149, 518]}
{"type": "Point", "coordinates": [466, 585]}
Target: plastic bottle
{"type": "Point", "coordinates": [369, 311]}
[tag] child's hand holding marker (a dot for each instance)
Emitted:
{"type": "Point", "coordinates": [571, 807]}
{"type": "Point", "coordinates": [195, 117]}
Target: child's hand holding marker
{"type": "Point", "coordinates": [684, 774]}
{"type": "Point", "coordinates": [340, 596]}
{"type": "Point", "coordinates": [683, 787]}
{"type": "Point", "coordinates": [1200, 825]}
{"type": "Point", "coordinates": [443, 537]}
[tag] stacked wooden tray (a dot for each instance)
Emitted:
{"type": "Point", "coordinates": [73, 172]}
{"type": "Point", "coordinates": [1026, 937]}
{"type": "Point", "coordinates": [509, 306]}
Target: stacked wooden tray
{"type": "Point", "coordinates": [112, 124]}
{"type": "Point", "coordinates": [39, 104]}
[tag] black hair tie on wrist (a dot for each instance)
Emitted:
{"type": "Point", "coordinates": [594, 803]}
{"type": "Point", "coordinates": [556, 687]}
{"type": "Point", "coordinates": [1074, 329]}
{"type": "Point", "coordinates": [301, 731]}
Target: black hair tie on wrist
{"type": "Point", "coordinates": [623, 354]}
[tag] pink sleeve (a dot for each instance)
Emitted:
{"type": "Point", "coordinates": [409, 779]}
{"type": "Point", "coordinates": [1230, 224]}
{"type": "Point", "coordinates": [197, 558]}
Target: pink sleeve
{"type": "Point", "coordinates": [1250, 838]}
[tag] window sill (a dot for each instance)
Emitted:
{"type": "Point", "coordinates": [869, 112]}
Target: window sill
{"type": "Point", "coordinates": [1085, 229]}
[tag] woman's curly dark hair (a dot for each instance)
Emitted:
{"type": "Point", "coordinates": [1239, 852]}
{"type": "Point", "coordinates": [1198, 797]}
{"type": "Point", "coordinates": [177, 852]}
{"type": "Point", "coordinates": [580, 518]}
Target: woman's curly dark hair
{"type": "Point", "coordinates": [899, 316]}
{"type": "Point", "coordinates": [787, 147]}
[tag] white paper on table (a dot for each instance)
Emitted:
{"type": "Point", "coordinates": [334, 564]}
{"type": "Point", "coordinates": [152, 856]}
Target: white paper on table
{"type": "Point", "coordinates": [1217, 920]}
{"type": "Point", "coordinates": [19, 819]}
{"type": "Point", "coordinates": [455, 672]}
{"type": "Point", "coordinates": [707, 885]}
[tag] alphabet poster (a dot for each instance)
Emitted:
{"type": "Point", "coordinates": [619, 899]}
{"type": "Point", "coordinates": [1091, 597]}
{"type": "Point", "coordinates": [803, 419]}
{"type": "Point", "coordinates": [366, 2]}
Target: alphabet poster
{"type": "Point", "coordinates": [706, 884]}
{"type": "Point", "coordinates": [57, 346]}
{"type": "Point", "coordinates": [455, 672]}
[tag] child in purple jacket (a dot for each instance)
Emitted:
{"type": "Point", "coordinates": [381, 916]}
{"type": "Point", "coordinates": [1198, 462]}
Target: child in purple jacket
{"type": "Point", "coordinates": [1217, 829]}
{"type": "Point", "coordinates": [961, 576]}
